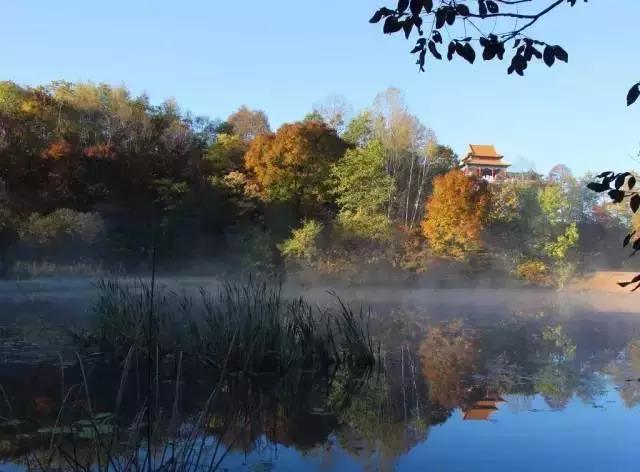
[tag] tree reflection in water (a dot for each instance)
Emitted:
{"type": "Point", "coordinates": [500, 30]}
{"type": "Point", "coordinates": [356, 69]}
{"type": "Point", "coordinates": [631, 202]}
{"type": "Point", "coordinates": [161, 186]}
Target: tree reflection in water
{"type": "Point", "coordinates": [374, 415]}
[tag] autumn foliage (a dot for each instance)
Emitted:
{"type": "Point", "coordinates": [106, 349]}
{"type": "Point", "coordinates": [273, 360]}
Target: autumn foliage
{"type": "Point", "coordinates": [455, 214]}
{"type": "Point", "coordinates": [100, 151]}
{"type": "Point", "coordinates": [449, 356]}
{"type": "Point", "coordinates": [57, 150]}
{"type": "Point", "coordinates": [294, 163]}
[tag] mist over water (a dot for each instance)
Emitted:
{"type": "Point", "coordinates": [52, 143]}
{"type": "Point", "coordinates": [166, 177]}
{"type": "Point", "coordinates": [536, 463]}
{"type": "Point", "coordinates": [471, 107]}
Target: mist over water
{"type": "Point", "coordinates": [543, 373]}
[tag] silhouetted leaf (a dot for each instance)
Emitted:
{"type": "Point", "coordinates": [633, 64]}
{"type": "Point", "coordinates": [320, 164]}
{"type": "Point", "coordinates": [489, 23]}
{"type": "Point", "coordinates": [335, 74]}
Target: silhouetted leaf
{"type": "Point", "coordinates": [434, 51]}
{"type": "Point", "coordinates": [437, 37]}
{"type": "Point", "coordinates": [619, 182]}
{"type": "Point", "coordinates": [428, 5]}
{"type": "Point", "coordinates": [616, 195]}
{"type": "Point", "coordinates": [419, 45]}
{"type": "Point", "coordinates": [634, 203]}
{"type": "Point", "coordinates": [465, 51]}
{"type": "Point", "coordinates": [560, 54]}
{"type": "Point", "coordinates": [450, 16]}
{"type": "Point", "coordinates": [604, 174]}
{"type": "Point", "coordinates": [627, 239]}
{"type": "Point", "coordinates": [626, 284]}
{"type": "Point", "coordinates": [632, 281]}
{"type": "Point", "coordinates": [377, 16]}
{"type": "Point", "coordinates": [634, 93]}
{"type": "Point", "coordinates": [451, 50]}
{"type": "Point", "coordinates": [415, 7]}
{"type": "Point", "coordinates": [463, 10]}
{"type": "Point", "coordinates": [407, 25]}
{"type": "Point", "coordinates": [489, 52]}
{"type": "Point", "coordinates": [631, 182]}
{"type": "Point", "coordinates": [549, 56]}
{"type": "Point", "coordinates": [492, 6]}
{"type": "Point", "coordinates": [482, 8]}
{"type": "Point", "coordinates": [391, 25]}
{"type": "Point", "coordinates": [597, 187]}
{"type": "Point", "coordinates": [421, 59]}
{"type": "Point", "coordinates": [518, 64]}
{"type": "Point", "coordinates": [402, 5]}
{"type": "Point", "coordinates": [441, 17]}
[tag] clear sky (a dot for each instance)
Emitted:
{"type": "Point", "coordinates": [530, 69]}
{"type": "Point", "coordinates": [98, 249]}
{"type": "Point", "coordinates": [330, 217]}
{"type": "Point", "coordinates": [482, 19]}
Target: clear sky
{"type": "Point", "coordinates": [283, 56]}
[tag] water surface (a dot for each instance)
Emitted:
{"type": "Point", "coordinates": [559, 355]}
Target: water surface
{"type": "Point", "coordinates": [482, 380]}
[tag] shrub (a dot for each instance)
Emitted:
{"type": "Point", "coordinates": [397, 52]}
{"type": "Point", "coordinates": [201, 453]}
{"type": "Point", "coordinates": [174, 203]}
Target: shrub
{"type": "Point", "coordinates": [60, 225]}
{"type": "Point", "coordinates": [303, 243]}
{"type": "Point", "coordinates": [558, 249]}
{"type": "Point", "coordinates": [535, 272]}
{"type": "Point", "coordinates": [564, 272]}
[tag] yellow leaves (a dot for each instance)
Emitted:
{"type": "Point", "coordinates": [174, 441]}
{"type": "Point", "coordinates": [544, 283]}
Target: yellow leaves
{"type": "Point", "coordinates": [29, 107]}
{"type": "Point", "coordinates": [535, 272]}
{"type": "Point", "coordinates": [303, 244]}
{"type": "Point", "coordinates": [225, 154]}
{"type": "Point", "coordinates": [455, 214]}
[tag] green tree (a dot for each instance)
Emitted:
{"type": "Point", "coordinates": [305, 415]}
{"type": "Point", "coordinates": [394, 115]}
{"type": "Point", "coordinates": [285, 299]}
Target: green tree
{"type": "Point", "coordinates": [359, 130]}
{"type": "Point", "coordinates": [303, 243]}
{"type": "Point", "coordinates": [555, 204]}
{"type": "Point", "coordinates": [361, 187]}
{"type": "Point", "coordinates": [558, 249]}
{"type": "Point", "coordinates": [62, 224]}
{"type": "Point", "coordinates": [226, 154]}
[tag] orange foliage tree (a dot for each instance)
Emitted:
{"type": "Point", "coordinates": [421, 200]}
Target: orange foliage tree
{"type": "Point", "coordinates": [294, 163]}
{"type": "Point", "coordinates": [449, 357]}
{"type": "Point", "coordinates": [455, 214]}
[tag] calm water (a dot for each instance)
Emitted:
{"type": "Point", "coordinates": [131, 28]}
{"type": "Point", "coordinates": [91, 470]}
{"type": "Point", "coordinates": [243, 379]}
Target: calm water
{"type": "Point", "coordinates": [503, 385]}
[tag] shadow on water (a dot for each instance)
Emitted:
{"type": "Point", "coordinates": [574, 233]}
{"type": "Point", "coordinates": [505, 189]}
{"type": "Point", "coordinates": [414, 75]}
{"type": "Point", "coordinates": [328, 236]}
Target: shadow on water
{"type": "Point", "coordinates": [441, 383]}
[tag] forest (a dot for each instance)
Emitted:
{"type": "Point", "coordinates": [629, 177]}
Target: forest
{"type": "Point", "coordinates": [94, 180]}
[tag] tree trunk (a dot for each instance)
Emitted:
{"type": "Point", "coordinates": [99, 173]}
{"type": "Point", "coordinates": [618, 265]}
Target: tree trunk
{"type": "Point", "coordinates": [406, 205]}
{"type": "Point", "coordinates": [419, 192]}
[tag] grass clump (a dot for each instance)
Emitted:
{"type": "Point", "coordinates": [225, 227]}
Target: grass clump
{"type": "Point", "coordinates": [249, 326]}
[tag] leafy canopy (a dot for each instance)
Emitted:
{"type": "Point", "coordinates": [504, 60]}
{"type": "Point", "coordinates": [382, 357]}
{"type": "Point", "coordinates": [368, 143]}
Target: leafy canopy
{"type": "Point", "coordinates": [456, 214]}
{"type": "Point", "coordinates": [294, 163]}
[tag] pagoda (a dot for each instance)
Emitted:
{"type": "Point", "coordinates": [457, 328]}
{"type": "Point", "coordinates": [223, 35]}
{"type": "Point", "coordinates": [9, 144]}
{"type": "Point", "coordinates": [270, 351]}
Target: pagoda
{"type": "Point", "coordinates": [482, 409]}
{"type": "Point", "coordinates": [484, 161]}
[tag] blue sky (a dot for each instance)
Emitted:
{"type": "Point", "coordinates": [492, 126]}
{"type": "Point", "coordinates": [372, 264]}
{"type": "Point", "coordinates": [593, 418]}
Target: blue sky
{"type": "Point", "coordinates": [283, 56]}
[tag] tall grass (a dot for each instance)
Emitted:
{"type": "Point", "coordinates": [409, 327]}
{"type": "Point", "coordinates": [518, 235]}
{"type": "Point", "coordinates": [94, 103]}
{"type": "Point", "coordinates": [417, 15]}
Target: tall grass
{"type": "Point", "coordinates": [246, 335]}
{"type": "Point", "coordinates": [271, 334]}
{"type": "Point", "coordinates": [120, 313]}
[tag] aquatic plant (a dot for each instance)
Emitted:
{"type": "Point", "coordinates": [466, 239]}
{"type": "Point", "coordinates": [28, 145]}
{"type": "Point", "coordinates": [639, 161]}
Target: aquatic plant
{"type": "Point", "coordinates": [272, 334]}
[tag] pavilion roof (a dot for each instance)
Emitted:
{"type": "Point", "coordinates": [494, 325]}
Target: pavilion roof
{"type": "Point", "coordinates": [484, 155]}
{"type": "Point", "coordinates": [482, 409]}
{"type": "Point", "coordinates": [484, 150]}
{"type": "Point", "coordinates": [479, 414]}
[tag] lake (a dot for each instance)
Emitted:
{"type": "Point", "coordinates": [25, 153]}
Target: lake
{"type": "Point", "coordinates": [466, 380]}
